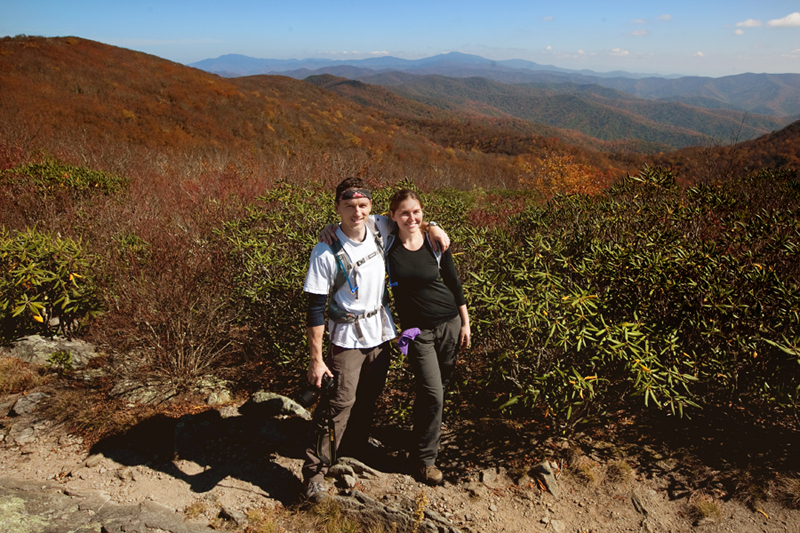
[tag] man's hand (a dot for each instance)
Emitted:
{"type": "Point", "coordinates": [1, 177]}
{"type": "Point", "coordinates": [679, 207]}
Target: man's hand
{"type": "Point", "coordinates": [316, 370]}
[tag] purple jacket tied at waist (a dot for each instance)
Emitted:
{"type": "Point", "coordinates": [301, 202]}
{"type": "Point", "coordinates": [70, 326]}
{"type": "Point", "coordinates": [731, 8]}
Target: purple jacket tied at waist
{"type": "Point", "coordinates": [405, 338]}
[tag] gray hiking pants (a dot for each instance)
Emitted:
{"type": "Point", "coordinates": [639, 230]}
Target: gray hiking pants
{"type": "Point", "coordinates": [432, 356]}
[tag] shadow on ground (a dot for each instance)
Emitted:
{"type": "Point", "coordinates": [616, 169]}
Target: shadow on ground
{"type": "Point", "coordinates": [715, 449]}
{"type": "Point", "coordinates": [244, 447]}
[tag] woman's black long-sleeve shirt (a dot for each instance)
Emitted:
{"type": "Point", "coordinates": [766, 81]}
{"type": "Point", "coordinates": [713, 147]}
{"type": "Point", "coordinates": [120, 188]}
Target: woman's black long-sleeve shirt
{"type": "Point", "coordinates": [424, 297]}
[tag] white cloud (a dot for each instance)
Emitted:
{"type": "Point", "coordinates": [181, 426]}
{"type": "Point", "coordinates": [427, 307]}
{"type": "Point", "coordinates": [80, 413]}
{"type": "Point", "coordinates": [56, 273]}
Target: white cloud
{"type": "Point", "coordinates": [665, 17]}
{"type": "Point", "coordinates": [549, 48]}
{"type": "Point", "coordinates": [739, 31]}
{"type": "Point", "coordinates": [749, 23]}
{"type": "Point", "coordinates": [581, 52]}
{"type": "Point", "coordinates": [639, 33]}
{"type": "Point", "coordinates": [639, 21]}
{"type": "Point", "coordinates": [619, 52]}
{"type": "Point", "coordinates": [786, 22]}
{"type": "Point", "coordinates": [698, 54]}
{"type": "Point", "coordinates": [548, 18]}
{"type": "Point", "coordinates": [383, 53]}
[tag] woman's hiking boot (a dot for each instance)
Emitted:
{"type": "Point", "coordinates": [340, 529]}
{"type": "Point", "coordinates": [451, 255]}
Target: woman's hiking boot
{"type": "Point", "coordinates": [431, 475]}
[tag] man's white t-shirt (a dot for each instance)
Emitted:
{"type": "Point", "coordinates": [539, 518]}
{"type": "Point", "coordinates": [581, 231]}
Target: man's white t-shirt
{"type": "Point", "coordinates": [370, 280]}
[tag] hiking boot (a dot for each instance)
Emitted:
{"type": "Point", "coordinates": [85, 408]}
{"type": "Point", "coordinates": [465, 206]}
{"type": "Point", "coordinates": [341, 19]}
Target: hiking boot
{"type": "Point", "coordinates": [316, 493]}
{"type": "Point", "coordinates": [431, 475]}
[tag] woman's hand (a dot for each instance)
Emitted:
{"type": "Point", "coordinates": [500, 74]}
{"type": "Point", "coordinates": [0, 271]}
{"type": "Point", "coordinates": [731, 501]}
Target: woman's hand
{"type": "Point", "coordinates": [465, 337]}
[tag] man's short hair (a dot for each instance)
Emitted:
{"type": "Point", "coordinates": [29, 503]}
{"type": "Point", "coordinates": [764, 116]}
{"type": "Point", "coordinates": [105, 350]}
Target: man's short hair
{"type": "Point", "coordinates": [350, 183]}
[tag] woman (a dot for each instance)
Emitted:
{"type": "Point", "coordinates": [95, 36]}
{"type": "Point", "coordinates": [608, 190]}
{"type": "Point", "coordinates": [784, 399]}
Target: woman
{"type": "Point", "coordinates": [429, 298]}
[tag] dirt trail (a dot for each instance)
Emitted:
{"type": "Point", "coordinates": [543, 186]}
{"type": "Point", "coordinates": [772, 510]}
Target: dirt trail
{"type": "Point", "coordinates": [231, 461]}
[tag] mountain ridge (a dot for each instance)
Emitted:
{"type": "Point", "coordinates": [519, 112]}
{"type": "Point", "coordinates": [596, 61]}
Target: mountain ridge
{"type": "Point", "coordinates": [768, 94]}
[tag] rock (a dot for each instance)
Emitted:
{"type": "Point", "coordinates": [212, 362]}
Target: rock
{"type": "Point", "coordinates": [545, 472]}
{"type": "Point", "coordinates": [558, 526]}
{"type": "Point", "coordinates": [136, 392]}
{"type": "Point", "coordinates": [36, 350]}
{"type": "Point", "coordinates": [125, 474]}
{"type": "Point", "coordinates": [476, 490]}
{"type": "Point", "coordinates": [233, 515]}
{"type": "Point", "coordinates": [5, 407]}
{"type": "Point", "coordinates": [345, 473]}
{"type": "Point", "coordinates": [373, 513]}
{"type": "Point", "coordinates": [641, 499]}
{"type": "Point", "coordinates": [269, 404]}
{"type": "Point", "coordinates": [358, 467]}
{"type": "Point", "coordinates": [494, 478]}
{"type": "Point", "coordinates": [219, 398]}
{"type": "Point", "coordinates": [229, 411]}
{"type": "Point", "coordinates": [22, 435]}
{"type": "Point", "coordinates": [339, 470]}
{"type": "Point", "coordinates": [94, 460]}
{"type": "Point", "coordinates": [25, 405]}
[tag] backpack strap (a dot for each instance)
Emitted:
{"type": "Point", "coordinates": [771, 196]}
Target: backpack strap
{"type": "Point", "coordinates": [345, 266]}
{"type": "Point", "coordinates": [436, 253]}
{"type": "Point", "coordinates": [391, 242]}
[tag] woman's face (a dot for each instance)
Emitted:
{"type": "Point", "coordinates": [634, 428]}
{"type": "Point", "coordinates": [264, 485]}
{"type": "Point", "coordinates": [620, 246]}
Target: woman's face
{"type": "Point", "coordinates": [408, 216]}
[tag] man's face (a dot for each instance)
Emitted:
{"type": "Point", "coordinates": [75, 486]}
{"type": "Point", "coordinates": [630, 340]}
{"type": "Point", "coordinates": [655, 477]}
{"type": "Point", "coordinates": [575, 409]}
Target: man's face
{"type": "Point", "coordinates": [354, 214]}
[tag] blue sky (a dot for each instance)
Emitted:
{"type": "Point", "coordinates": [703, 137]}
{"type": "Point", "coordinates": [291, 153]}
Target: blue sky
{"type": "Point", "coordinates": [699, 37]}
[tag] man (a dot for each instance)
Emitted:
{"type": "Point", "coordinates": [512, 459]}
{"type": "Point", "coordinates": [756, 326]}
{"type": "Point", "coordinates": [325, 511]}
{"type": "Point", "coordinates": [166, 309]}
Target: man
{"type": "Point", "coordinates": [360, 328]}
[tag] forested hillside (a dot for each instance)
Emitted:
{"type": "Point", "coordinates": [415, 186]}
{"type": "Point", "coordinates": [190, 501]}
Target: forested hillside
{"type": "Point", "coordinates": [84, 100]}
{"type": "Point", "coordinates": [593, 110]}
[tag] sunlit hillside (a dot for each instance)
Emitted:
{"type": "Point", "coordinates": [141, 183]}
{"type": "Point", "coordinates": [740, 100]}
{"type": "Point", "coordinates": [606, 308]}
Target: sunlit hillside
{"type": "Point", "coordinates": [123, 110]}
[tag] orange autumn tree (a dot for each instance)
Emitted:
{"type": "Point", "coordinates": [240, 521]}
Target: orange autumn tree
{"type": "Point", "coordinates": [559, 174]}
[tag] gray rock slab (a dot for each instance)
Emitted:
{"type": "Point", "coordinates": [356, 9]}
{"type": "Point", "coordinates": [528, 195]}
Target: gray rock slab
{"type": "Point", "coordinates": [271, 404]}
{"type": "Point", "coordinates": [545, 472]}
{"type": "Point", "coordinates": [36, 349]}
{"type": "Point", "coordinates": [25, 405]}
{"type": "Point", "coordinates": [32, 507]}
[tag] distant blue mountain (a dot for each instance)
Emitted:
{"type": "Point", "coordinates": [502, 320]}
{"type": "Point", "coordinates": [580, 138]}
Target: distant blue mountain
{"type": "Point", "coordinates": [767, 94]}
{"type": "Point", "coordinates": [239, 65]}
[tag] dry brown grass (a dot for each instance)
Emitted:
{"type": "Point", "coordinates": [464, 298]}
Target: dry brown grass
{"type": "Point", "coordinates": [619, 471]}
{"type": "Point", "coordinates": [704, 508]}
{"type": "Point", "coordinates": [788, 491]}
{"type": "Point", "coordinates": [17, 376]}
{"type": "Point", "coordinates": [586, 471]}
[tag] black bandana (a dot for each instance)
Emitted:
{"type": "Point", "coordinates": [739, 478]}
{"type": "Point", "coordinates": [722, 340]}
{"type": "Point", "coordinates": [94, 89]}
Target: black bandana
{"type": "Point", "coordinates": [350, 194]}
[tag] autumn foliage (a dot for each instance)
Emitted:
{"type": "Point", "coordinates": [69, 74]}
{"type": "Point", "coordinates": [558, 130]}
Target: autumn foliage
{"type": "Point", "coordinates": [180, 208]}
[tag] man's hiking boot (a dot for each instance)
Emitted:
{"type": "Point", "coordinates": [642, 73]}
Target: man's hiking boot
{"type": "Point", "coordinates": [431, 475]}
{"type": "Point", "coordinates": [316, 493]}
